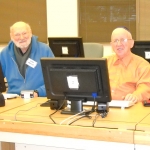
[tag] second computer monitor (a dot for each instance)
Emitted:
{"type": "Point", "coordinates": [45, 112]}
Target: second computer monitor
{"type": "Point", "coordinates": [142, 48]}
{"type": "Point", "coordinates": [66, 46]}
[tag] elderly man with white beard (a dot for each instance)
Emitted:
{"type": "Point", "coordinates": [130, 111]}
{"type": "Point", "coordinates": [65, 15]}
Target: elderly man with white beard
{"type": "Point", "coordinates": [20, 60]}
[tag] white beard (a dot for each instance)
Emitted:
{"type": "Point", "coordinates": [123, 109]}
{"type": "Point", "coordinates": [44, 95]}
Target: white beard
{"type": "Point", "coordinates": [23, 45]}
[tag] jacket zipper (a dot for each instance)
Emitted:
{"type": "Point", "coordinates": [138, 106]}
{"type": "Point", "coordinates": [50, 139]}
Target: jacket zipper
{"type": "Point", "coordinates": [18, 69]}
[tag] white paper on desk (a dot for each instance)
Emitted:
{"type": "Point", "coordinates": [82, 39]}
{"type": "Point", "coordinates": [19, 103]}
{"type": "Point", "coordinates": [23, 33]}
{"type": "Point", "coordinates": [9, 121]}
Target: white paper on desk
{"type": "Point", "coordinates": [8, 95]}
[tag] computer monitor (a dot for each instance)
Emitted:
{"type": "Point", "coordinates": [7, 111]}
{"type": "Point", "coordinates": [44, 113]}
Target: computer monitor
{"type": "Point", "coordinates": [2, 82]}
{"type": "Point", "coordinates": [142, 48]}
{"type": "Point", "coordinates": [66, 46]}
{"type": "Point", "coordinates": [77, 80]}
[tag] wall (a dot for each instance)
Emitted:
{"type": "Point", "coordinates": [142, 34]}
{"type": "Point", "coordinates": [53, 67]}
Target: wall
{"type": "Point", "coordinates": [142, 20]}
{"type": "Point", "coordinates": [62, 18]}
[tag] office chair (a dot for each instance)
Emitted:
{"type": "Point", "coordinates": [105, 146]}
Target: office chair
{"type": "Point", "coordinates": [93, 50]}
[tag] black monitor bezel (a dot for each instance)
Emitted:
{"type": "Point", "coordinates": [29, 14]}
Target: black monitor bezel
{"type": "Point", "coordinates": [48, 62]}
{"type": "Point", "coordinates": [2, 81]}
{"type": "Point", "coordinates": [51, 41]}
{"type": "Point", "coordinates": [140, 47]}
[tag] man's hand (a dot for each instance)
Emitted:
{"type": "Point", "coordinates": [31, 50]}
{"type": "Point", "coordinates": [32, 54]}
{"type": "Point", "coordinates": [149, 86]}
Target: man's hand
{"type": "Point", "coordinates": [35, 94]}
{"type": "Point", "coordinates": [131, 97]}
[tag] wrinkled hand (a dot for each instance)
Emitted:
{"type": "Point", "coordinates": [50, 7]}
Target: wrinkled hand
{"type": "Point", "coordinates": [131, 97]}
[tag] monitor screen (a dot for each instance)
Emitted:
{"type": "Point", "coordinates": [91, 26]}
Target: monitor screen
{"type": "Point", "coordinates": [142, 48]}
{"type": "Point", "coordinates": [77, 80]}
{"type": "Point", "coordinates": [2, 82]}
{"type": "Point", "coordinates": [66, 46]}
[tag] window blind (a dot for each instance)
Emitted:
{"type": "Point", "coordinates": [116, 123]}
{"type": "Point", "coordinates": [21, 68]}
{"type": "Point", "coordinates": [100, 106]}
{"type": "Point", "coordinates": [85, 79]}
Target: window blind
{"type": "Point", "coordinates": [97, 18]}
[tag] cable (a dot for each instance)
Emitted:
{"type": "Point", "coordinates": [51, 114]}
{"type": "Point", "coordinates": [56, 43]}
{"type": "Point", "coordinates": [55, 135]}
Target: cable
{"type": "Point", "coordinates": [86, 114]}
{"type": "Point", "coordinates": [79, 117]}
{"type": "Point", "coordinates": [71, 117]}
{"type": "Point", "coordinates": [50, 116]}
{"type": "Point", "coordinates": [103, 114]}
{"type": "Point", "coordinates": [25, 110]}
{"type": "Point", "coordinates": [94, 121]}
{"type": "Point", "coordinates": [94, 95]}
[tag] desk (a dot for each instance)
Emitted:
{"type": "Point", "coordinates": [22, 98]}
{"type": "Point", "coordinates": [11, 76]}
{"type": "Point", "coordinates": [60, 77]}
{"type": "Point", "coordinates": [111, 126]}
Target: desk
{"type": "Point", "coordinates": [142, 134]}
{"type": "Point", "coordinates": [117, 128]}
{"type": "Point", "coordinates": [14, 103]}
{"type": "Point", "coordinates": [11, 104]}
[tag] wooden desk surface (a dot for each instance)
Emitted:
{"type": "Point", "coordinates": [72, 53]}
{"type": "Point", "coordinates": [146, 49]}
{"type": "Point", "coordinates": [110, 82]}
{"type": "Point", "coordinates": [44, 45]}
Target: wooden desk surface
{"type": "Point", "coordinates": [119, 118]}
{"type": "Point", "coordinates": [11, 104]}
{"type": "Point", "coordinates": [118, 126]}
{"type": "Point", "coordinates": [142, 133]}
{"type": "Point", "coordinates": [124, 118]}
{"type": "Point", "coordinates": [14, 103]}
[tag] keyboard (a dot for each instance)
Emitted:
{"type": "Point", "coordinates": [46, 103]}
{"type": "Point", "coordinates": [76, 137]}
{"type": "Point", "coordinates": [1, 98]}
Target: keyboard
{"type": "Point", "coordinates": [89, 103]}
{"type": "Point", "coordinates": [120, 103]}
{"type": "Point", "coordinates": [113, 103]}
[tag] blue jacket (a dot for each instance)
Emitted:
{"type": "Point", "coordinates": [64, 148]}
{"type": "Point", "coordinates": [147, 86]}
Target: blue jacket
{"type": "Point", "coordinates": [33, 77]}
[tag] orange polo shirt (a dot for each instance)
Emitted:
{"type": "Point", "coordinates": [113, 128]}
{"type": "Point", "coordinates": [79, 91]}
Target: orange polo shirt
{"type": "Point", "coordinates": [129, 75]}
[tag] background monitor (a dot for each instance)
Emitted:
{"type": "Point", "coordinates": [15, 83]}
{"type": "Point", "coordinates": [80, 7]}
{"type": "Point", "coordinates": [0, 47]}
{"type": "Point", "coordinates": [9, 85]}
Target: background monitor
{"type": "Point", "coordinates": [142, 48]}
{"type": "Point", "coordinates": [66, 46]}
{"type": "Point", "coordinates": [2, 82]}
{"type": "Point", "coordinates": [78, 80]}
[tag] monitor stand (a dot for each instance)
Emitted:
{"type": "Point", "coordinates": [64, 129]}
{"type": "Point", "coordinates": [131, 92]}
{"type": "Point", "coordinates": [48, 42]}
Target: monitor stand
{"type": "Point", "coordinates": [75, 107]}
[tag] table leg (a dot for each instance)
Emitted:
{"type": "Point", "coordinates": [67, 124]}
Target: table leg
{"type": "Point", "coordinates": [7, 146]}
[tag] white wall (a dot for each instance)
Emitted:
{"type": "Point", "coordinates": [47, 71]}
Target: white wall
{"type": "Point", "coordinates": [62, 18]}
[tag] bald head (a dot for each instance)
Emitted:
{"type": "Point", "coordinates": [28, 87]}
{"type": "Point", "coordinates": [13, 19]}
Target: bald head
{"type": "Point", "coordinates": [121, 31]}
{"type": "Point", "coordinates": [20, 24]}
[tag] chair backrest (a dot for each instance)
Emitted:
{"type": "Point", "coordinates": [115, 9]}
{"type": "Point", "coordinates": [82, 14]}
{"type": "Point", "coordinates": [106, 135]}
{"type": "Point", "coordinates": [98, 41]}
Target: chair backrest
{"type": "Point", "coordinates": [93, 50]}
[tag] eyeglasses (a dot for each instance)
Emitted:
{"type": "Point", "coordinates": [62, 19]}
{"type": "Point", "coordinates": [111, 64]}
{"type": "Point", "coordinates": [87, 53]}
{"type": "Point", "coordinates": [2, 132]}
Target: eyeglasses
{"type": "Point", "coordinates": [122, 41]}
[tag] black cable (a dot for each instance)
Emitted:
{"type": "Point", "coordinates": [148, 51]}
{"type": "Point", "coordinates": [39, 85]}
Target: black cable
{"type": "Point", "coordinates": [86, 114]}
{"type": "Point", "coordinates": [92, 110]}
{"type": "Point", "coordinates": [50, 116]}
{"type": "Point", "coordinates": [25, 110]}
{"type": "Point", "coordinates": [93, 107]}
{"type": "Point", "coordinates": [103, 114]}
{"type": "Point", "coordinates": [94, 121]}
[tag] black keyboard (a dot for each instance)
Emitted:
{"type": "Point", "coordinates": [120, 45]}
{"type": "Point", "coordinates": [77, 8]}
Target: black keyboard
{"type": "Point", "coordinates": [46, 104]}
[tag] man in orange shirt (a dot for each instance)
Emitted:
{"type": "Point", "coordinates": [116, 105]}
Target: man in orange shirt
{"type": "Point", "coordinates": [129, 74]}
